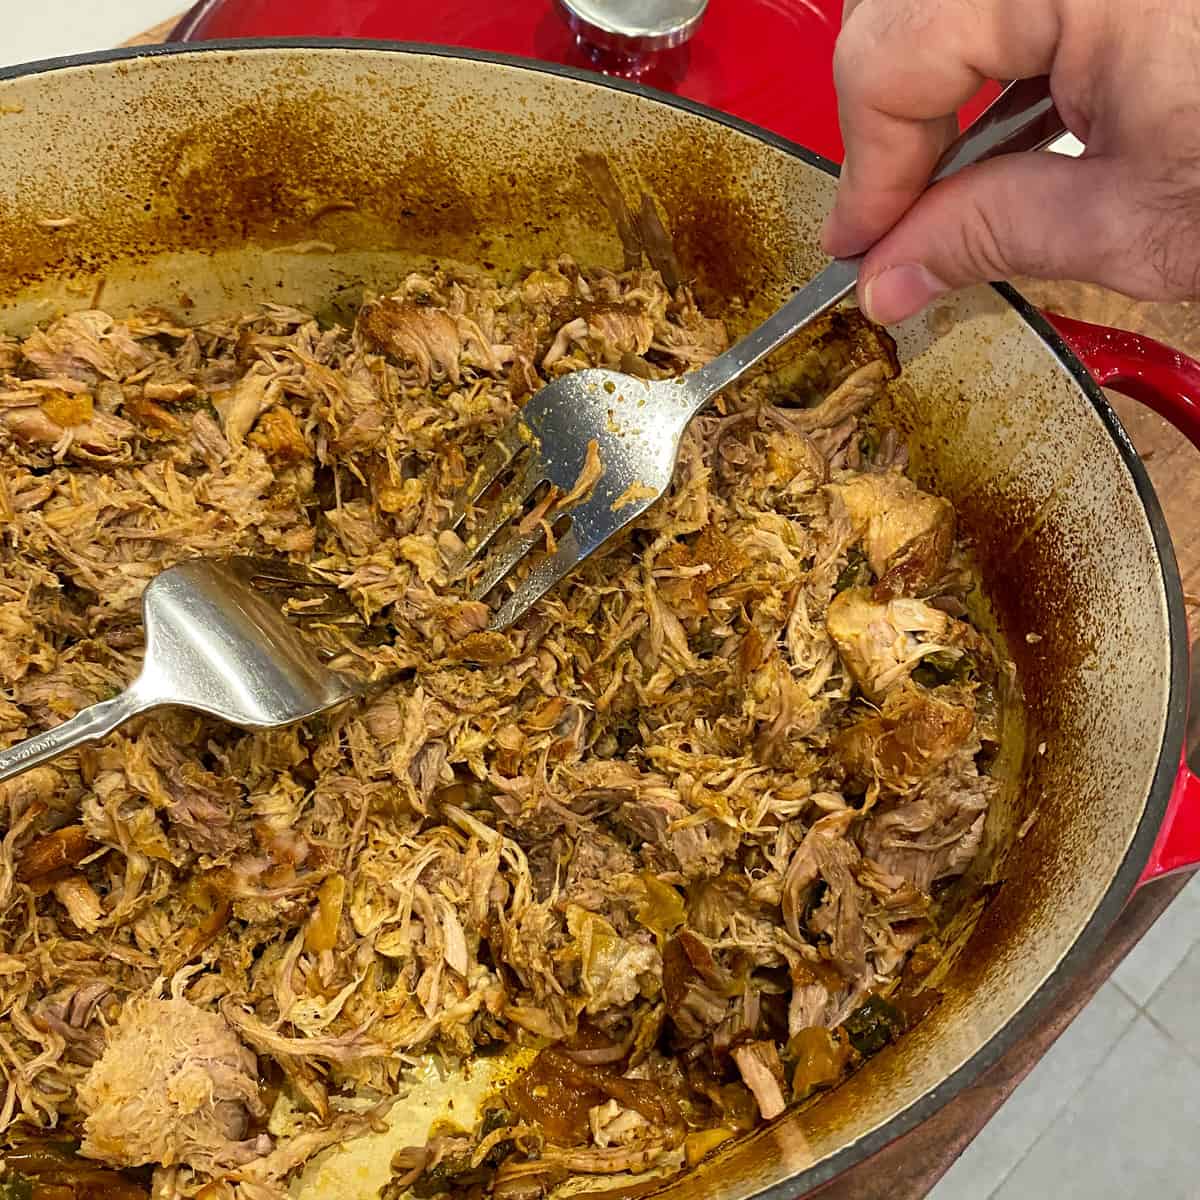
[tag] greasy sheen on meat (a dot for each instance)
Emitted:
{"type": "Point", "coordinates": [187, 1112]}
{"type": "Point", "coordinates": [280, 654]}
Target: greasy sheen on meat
{"type": "Point", "coordinates": [680, 830]}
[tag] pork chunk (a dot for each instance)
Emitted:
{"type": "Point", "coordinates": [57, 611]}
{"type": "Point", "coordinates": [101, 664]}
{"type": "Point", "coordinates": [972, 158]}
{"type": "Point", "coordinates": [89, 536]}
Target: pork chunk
{"type": "Point", "coordinates": [911, 737]}
{"type": "Point", "coordinates": [174, 1085]}
{"type": "Point", "coordinates": [936, 834]}
{"type": "Point", "coordinates": [880, 643]}
{"type": "Point", "coordinates": [907, 533]}
{"type": "Point", "coordinates": [762, 1073]}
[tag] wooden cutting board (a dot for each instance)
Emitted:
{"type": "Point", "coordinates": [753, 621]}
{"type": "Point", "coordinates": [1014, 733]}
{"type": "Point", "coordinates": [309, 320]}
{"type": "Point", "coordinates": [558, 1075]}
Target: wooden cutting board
{"type": "Point", "coordinates": [910, 1166]}
{"type": "Point", "coordinates": [1173, 464]}
{"type": "Point", "coordinates": [152, 37]}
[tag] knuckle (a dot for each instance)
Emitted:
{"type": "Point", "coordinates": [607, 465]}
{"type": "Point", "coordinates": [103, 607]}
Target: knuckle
{"type": "Point", "coordinates": [1169, 245]}
{"type": "Point", "coordinates": [986, 242]}
{"type": "Point", "coordinates": [863, 51]}
{"type": "Point", "coordinates": [849, 55]}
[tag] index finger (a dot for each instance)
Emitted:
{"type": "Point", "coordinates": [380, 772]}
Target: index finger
{"type": "Point", "coordinates": [903, 68]}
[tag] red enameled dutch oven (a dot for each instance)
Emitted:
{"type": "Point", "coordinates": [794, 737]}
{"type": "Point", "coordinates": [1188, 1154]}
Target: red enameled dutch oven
{"type": "Point", "coordinates": [201, 178]}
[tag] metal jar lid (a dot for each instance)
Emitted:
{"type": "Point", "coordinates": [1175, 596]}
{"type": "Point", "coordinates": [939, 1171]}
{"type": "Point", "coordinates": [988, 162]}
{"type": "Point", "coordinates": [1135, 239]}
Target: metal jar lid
{"type": "Point", "coordinates": [634, 26]}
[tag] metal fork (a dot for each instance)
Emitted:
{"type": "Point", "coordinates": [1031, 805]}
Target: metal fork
{"type": "Point", "coordinates": [216, 643]}
{"type": "Point", "coordinates": [636, 425]}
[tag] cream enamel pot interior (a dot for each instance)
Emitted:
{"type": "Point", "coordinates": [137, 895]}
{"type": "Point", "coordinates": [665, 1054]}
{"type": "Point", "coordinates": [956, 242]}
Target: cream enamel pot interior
{"type": "Point", "coordinates": [200, 181]}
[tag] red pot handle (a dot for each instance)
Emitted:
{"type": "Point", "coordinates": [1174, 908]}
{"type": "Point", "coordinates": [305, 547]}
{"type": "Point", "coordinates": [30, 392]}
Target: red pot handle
{"type": "Point", "coordinates": [1177, 847]}
{"type": "Point", "coordinates": [1169, 383]}
{"type": "Point", "coordinates": [1149, 372]}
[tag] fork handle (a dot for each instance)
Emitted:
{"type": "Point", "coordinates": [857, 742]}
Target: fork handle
{"type": "Point", "coordinates": [89, 725]}
{"type": "Point", "coordinates": [1020, 119]}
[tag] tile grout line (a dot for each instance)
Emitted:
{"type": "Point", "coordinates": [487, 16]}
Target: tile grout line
{"type": "Point", "coordinates": [1144, 1008]}
{"type": "Point", "coordinates": [1037, 1141]}
{"type": "Point", "coordinates": [1171, 1037]}
{"type": "Point", "coordinates": [1133, 999]}
{"type": "Point", "coordinates": [1153, 1018]}
{"type": "Point", "coordinates": [1174, 971]}
{"type": "Point", "coordinates": [1183, 900]}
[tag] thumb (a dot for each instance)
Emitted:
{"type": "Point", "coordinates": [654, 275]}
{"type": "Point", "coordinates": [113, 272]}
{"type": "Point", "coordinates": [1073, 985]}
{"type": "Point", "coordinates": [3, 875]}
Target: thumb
{"type": "Point", "coordinates": [1041, 215]}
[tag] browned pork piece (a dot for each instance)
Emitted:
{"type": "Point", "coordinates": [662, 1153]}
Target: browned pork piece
{"type": "Point", "coordinates": [913, 734]}
{"type": "Point", "coordinates": [907, 534]}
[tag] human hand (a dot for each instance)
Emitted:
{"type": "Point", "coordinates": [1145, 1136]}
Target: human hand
{"type": "Point", "coordinates": [1126, 80]}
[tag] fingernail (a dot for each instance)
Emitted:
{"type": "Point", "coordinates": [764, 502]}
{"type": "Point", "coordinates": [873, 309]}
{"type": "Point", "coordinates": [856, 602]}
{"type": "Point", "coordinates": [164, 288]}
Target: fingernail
{"type": "Point", "coordinates": [898, 292]}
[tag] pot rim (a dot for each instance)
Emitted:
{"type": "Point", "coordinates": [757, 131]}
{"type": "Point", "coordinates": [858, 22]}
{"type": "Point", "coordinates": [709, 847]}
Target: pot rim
{"type": "Point", "coordinates": [1170, 750]}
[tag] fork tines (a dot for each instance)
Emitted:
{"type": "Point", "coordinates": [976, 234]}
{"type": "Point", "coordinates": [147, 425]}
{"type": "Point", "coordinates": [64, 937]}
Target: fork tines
{"type": "Point", "coordinates": [544, 574]}
{"type": "Point", "coordinates": [511, 440]}
{"type": "Point", "coordinates": [308, 596]}
{"type": "Point", "coordinates": [515, 438]}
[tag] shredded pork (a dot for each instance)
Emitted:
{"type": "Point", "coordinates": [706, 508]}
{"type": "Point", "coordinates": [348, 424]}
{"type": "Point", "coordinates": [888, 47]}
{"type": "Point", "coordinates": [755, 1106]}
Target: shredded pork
{"type": "Point", "coordinates": [697, 806]}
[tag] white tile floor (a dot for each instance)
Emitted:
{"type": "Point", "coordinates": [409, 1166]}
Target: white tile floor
{"type": "Point", "coordinates": [1113, 1110]}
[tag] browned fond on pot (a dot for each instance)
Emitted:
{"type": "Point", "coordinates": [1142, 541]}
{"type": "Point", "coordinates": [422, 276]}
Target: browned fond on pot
{"type": "Point", "coordinates": [203, 181]}
{"type": "Point", "coordinates": [276, 172]}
